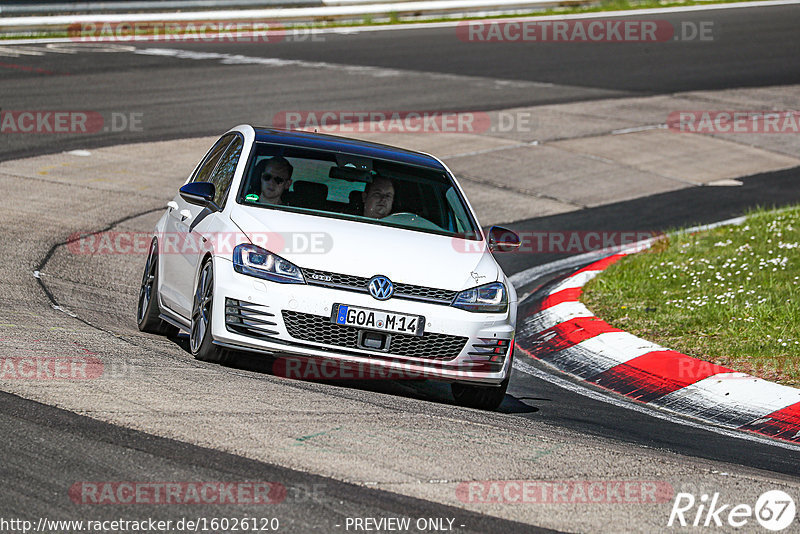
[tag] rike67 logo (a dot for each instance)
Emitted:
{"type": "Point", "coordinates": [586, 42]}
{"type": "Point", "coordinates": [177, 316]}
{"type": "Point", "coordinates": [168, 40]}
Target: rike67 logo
{"type": "Point", "coordinates": [774, 510]}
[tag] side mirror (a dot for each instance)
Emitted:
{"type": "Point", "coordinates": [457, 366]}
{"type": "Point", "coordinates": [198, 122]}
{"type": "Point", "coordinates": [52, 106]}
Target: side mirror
{"type": "Point", "coordinates": [199, 193]}
{"type": "Point", "coordinates": [502, 240]}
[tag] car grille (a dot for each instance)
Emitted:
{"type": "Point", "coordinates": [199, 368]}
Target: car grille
{"type": "Point", "coordinates": [249, 319]}
{"type": "Point", "coordinates": [429, 346]}
{"type": "Point", "coordinates": [359, 283]}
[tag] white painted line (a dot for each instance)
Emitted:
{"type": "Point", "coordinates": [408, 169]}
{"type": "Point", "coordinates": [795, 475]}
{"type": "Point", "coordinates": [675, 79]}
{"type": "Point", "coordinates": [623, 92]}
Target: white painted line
{"type": "Point", "coordinates": [726, 182]}
{"type": "Point", "coordinates": [59, 308]}
{"type": "Point", "coordinates": [522, 278]}
{"type": "Point", "coordinates": [377, 72]}
{"type": "Point", "coordinates": [17, 51]}
{"type": "Point", "coordinates": [629, 404]}
{"type": "Point", "coordinates": [638, 129]}
{"type": "Point", "coordinates": [550, 317]}
{"type": "Point", "coordinates": [527, 276]}
{"type": "Point", "coordinates": [498, 148]}
{"type": "Point", "coordinates": [726, 222]}
{"type": "Point", "coordinates": [355, 2]}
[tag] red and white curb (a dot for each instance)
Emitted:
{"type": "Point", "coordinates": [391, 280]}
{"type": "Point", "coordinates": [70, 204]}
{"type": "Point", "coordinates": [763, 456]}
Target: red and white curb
{"type": "Point", "coordinates": [566, 335]}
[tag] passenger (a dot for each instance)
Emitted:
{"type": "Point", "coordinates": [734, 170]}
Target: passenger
{"type": "Point", "coordinates": [378, 198]}
{"type": "Point", "coordinates": [276, 178]}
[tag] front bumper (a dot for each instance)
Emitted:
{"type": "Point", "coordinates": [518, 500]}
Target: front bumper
{"type": "Point", "coordinates": [455, 346]}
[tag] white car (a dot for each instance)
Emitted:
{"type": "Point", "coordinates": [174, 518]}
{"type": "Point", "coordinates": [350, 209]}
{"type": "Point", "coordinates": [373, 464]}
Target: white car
{"type": "Point", "coordinates": [322, 248]}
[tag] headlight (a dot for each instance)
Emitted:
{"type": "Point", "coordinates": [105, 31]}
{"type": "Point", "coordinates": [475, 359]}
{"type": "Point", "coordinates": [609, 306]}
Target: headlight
{"type": "Point", "coordinates": [487, 299]}
{"type": "Point", "coordinates": [255, 261]}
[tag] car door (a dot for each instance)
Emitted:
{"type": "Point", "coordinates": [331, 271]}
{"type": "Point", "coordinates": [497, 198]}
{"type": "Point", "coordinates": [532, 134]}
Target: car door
{"type": "Point", "coordinates": [204, 225]}
{"type": "Point", "coordinates": [176, 243]}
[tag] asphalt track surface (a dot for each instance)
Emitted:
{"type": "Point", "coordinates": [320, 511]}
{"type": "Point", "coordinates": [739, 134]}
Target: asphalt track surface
{"type": "Point", "coordinates": [182, 98]}
{"type": "Point", "coordinates": [309, 503]}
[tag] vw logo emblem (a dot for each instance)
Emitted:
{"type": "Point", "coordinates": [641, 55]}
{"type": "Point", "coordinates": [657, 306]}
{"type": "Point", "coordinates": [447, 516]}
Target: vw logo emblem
{"type": "Point", "coordinates": [380, 287]}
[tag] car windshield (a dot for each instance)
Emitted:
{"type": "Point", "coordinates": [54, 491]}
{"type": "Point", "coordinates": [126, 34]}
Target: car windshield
{"type": "Point", "coordinates": [365, 189]}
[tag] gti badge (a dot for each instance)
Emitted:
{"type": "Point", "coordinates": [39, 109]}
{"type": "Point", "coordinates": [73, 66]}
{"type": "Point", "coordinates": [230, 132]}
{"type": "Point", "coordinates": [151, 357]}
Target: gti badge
{"type": "Point", "coordinates": [380, 287]}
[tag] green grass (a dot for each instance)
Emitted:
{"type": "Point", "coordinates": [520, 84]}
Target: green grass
{"type": "Point", "coordinates": [729, 295]}
{"type": "Point", "coordinates": [394, 18]}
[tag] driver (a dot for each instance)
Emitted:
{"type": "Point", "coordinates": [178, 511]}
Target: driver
{"type": "Point", "coordinates": [378, 198]}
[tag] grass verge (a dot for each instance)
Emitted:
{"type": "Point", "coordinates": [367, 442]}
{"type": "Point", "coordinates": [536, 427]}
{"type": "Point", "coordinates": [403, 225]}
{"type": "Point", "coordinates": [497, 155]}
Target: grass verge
{"type": "Point", "coordinates": [729, 295]}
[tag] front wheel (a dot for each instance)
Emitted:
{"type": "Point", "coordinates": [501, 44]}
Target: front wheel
{"type": "Point", "coordinates": [147, 312]}
{"type": "Point", "coordinates": [200, 339]}
{"type": "Point", "coordinates": [480, 397]}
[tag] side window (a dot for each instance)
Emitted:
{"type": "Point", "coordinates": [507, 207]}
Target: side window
{"type": "Point", "coordinates": [223, 175]}
{"type": "Point", "coordinates": [204, 171]}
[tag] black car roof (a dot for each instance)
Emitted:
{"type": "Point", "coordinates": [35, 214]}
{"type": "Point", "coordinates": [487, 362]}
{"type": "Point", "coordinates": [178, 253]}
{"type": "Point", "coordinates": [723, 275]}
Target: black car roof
{"type": "Point", "coordinates": [345, 145]}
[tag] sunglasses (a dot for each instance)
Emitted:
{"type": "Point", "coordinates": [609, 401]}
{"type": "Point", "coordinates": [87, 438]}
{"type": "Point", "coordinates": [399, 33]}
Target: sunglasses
{"type": "Point", "coordinates": [266, 177]}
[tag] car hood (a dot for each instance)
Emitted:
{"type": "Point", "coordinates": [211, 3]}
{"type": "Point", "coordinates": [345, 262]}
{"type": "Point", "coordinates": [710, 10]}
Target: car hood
{"type": "Point", "coordinates": [363, 249]}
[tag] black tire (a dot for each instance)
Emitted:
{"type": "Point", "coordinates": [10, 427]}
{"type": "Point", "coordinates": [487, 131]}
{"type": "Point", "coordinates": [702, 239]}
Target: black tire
{"type": "Point", "coordinates": [480, 397]}
{"type": "Point", "coordinates": [147, 311]}
{"type": "Point", "coordinates": [200, 340]}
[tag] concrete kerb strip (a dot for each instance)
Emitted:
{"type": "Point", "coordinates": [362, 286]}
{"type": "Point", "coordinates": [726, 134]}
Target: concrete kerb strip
{"type": "Point", "coordinates": [563, 333]}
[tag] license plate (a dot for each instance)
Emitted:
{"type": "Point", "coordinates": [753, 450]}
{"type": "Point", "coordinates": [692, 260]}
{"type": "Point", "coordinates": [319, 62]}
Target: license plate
{"type": "Point", "coordinates": [378, 320]}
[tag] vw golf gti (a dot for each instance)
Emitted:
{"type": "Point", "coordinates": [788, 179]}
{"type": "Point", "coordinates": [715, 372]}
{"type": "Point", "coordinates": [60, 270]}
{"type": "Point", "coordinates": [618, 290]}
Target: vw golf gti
{"type": "Point", "coordinates": [312, 246]}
